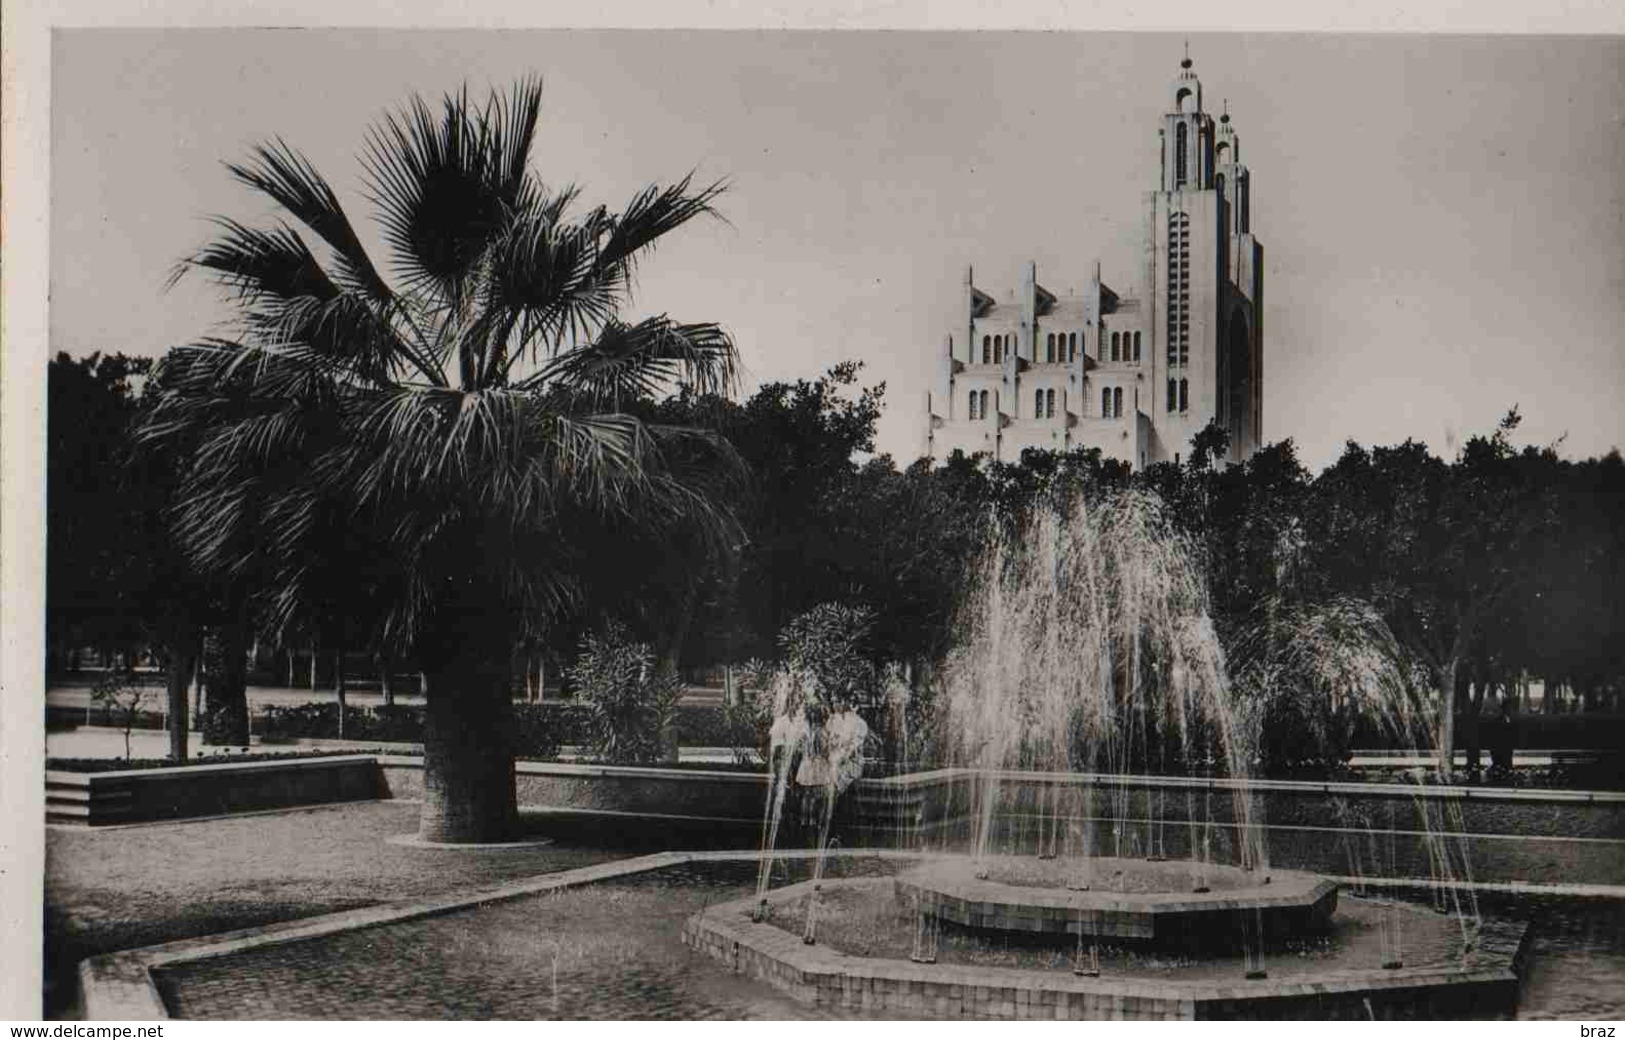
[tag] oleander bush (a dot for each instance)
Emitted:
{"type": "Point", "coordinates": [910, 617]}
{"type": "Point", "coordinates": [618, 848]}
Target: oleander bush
{"type": "Point", "coordinates": [629, 699]}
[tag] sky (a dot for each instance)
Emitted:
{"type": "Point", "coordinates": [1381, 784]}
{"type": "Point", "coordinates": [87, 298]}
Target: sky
{"type": "Point", "coordinates": [1443, 217]}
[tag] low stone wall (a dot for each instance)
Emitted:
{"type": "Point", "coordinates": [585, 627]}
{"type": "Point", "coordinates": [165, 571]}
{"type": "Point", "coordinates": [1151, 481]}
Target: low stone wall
{"type": "Point", "coordinates": [696, 794]}
{"type": "Point", "coordinates": [145, 795]}
{"type": "Point", "coordinates": [1343, 829]}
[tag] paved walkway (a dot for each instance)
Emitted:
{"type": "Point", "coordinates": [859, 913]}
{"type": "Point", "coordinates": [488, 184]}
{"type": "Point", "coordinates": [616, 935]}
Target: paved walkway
{"type": "Point", "coordinates": [108, 742]}
{"type": "Point", "coordinates": [258, 697]}
{"type": "Point", "coordinates": [1403, 760]}
{"type": "Point", "coordinates": [78, 696]}
{"type": "Point", "coordinates": [120, 888]}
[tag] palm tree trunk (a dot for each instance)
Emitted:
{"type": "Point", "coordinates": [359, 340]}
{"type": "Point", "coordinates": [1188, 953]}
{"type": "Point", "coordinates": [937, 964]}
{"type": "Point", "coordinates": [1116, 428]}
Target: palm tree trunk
{"type": "Point", "coordinates": [1447, 717]}
{"type": "Point", "coordinates": [339, 689]}
{"type": "Point", "coordinates": [1469, 736]}
{"type": "Point", "coordinates": [385, 666]}
{"type": "Point", "coordinates": [197, 691]}
{"type": "Point", "coordinates": [225, 671]}
{"type": "Point", "coordinates": [468, 773]}
{"type": "Point", "coordinates": [182, 659]}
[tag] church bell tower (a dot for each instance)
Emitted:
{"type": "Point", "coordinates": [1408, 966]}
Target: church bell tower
{"type": "Point", "coordinates": [1206, 280]}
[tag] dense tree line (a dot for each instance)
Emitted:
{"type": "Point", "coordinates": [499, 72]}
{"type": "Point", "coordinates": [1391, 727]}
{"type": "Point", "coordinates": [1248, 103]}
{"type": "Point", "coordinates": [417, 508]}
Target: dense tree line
{"type": "Point", "coordinates": [1494, 568]}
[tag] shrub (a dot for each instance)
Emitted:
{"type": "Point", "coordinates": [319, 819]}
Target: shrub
{"type": "Point", "coordinates": [300, 720]}
{"type": "Point", "coordinates": [397, 723]}
{"type": "Point", "coordinates": [629, 701]}
{"type": "Point", "coordinates": [217, 724]}
{"type": "Point", "coordinates": [539, 729]}
{"type": "Point", "coordinates": [123, 699]}
{"type": "Point", "coordinates": [827, 644]}
{"type": "Point", "coordinates": [747, 724]}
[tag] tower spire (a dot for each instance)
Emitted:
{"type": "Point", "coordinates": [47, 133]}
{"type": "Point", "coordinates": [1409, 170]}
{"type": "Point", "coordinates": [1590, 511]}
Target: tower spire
{"type": "Point", "coordinates": [1187, 62]}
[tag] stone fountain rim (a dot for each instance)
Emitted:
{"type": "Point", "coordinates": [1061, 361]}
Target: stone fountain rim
{"type": "Point", "coordinates": [1286, 889]}
{"type": "Point", "coordinates": [725, 929]}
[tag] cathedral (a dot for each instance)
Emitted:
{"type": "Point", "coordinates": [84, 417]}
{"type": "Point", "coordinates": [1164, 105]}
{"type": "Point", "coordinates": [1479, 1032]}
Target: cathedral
{"type": "Point", "coordinates": [1136, 376]}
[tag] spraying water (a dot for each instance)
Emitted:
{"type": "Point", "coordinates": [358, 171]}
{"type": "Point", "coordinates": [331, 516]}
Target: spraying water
{"type": "Point", "coordinates": [1086, 646]}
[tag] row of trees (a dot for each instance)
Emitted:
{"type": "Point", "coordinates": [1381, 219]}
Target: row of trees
{"type": "Point", "coordinates": [1495, 567]}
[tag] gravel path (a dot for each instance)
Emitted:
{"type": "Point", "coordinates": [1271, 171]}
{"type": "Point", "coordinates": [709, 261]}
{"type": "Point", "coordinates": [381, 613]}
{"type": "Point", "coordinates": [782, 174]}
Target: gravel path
{"type": "Point", "coordinates": [115, 889]}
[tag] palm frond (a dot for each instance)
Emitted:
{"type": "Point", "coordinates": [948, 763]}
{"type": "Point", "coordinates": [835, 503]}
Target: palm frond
{"type": "Point", "coordinates": [632, 362]}
{"type": "Point", "coordinates": [254, 263]}
{"type": "Point", "coordinates": [345, 333]}
{"type": "Point", "coordinates": [548, 274]}
{"type": "Point", "coordinates": [569, 280]}
{"type": "Point", "coordinates": [285, 175]}
{"type": "Point", "coordinates": [445, 187]}
{"type": "Point", "coordinates": [653, 213]}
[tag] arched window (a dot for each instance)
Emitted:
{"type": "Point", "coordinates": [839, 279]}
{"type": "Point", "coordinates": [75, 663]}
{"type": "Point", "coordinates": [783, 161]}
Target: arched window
{"type": "Point", "coordinates": [1117, 403]}
{"type": "Point", "coordinates": [1178, 327]}
{"type": "Point", "coordinates": [1136, 346]}
{"type": "Point", "coordinates": [1072, 347]}
{"type": "Point", "coordinates": [1173, 394]}
{"type": "Point", "coordinates": [1116, 339]}
{"type": "Point", "coordinates": [1049, 404]}
{"type": "Point", "coordinates": [1038, 404]}
{"type": "Point", "coordinates": [1184, 395]}
{"type": "Point", "coordinates": [986, 343]}
{"type": "Point", "coordinates": [1049, 350]}
{"type": "Point", "coordinates": [973, 404]}
{"type": "Point", "coordinates": [1180, 148]}
{"type": "Point", "coordinates": [983, 410]}
{"type": "Point", "coordinates": [1106, 403]}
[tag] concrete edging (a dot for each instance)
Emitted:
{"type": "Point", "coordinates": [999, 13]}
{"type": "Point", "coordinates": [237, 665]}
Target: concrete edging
{"type": "Point", "coordinates": [1392, 790]}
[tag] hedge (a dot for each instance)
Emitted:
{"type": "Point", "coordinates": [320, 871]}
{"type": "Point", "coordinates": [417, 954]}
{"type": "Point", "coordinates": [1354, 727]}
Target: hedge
{"type": "Point", "coordinates": [540, 729]}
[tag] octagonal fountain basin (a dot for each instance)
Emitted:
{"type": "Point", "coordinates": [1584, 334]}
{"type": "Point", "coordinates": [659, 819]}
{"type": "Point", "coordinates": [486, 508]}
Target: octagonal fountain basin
{"type": "Point", "coordinates": [862, 944]}
{"type": "Point", "coordinates": [1169, 903]}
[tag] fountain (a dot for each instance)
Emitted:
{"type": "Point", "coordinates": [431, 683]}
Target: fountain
{"type": "Point", "coordinates": [1099, 849]}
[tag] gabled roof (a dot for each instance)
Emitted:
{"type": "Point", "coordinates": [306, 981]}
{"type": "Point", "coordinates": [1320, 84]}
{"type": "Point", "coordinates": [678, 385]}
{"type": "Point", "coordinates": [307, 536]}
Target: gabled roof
{"type": "Point", "coordinates": [1043, 300]}
{"type": "Point", "coordinates": [1108, 299]}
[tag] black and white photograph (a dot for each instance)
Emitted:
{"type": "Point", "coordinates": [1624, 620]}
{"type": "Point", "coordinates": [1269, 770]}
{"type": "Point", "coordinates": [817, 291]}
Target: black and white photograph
{"type": "Point", "coordinates": [906, 523]}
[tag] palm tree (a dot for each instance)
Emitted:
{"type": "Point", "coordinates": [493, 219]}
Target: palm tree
{"type": "Point", "coordinates": [455, 419]}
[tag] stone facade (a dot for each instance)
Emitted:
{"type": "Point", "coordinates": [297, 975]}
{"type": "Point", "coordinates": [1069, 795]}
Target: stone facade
{"type": "Point", "coordinates": [1135, 376]}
